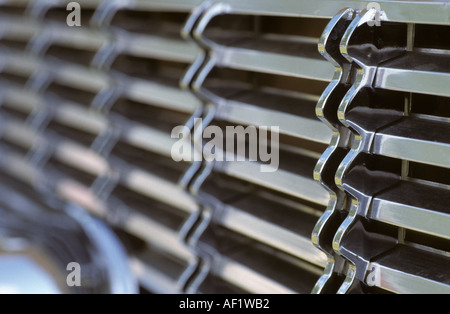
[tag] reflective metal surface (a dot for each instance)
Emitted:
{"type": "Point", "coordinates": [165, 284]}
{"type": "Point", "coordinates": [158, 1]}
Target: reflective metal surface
{"type": "Point", "coordinates": [38, 243]}
{"type": "Point", "coordinates": [359, 203]}
{"type": "Point", "coordinates": [390, 140]}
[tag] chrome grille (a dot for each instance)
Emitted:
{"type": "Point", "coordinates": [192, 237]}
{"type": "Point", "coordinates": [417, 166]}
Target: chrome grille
{"type": "Point", "coordinates": [87, 114]}
{"type": "Point", "coordinates": [381, 139]}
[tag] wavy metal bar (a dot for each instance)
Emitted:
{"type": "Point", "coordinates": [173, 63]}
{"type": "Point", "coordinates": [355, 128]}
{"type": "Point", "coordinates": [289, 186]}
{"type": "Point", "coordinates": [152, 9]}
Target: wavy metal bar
{"type": "Point", "coordinates": [360, 198]}
{"type": "Point", "coordinates": [199, 220]}
{"type": "Point", "coordinates": [213, 56]}
{"type": "Point", "coordinates": [327, 165]}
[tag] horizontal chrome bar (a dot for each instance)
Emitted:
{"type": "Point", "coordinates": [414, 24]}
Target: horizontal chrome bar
{"type": "Point", "coordinates": [158, 47]}
{"type": "Point", "coordinates": [282, 181]}
{"type": "Point", "coordinates": [402, 140]}
{"type": "Point", "coordinates": [158, 189]}
{"type": "Point", "coordinates": [289, 124]}
{"type": "Point", "coordinates": [271, 234]}
{"type": "Point", "coordinates": [153, 279]}
{"type": "Point", "coordinates": [153, 93]}
{"type": "Point", "coordinates": [411, 217]}
{"type": "Point", "coordinates": [410, 11]}
{"type": "Point", "coordinates": [247, 278]}
{"type": "Point", "coordinates": [157, 234]}
{"type": "Point", "coordinates": [273, 63]}
{"type": "Point", "coordinates": [420, 272]}
{"type": "Point", "coordinates": [410, 80]}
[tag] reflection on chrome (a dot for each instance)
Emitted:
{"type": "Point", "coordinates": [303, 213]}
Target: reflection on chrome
{"type": "Point", "coordinates": [38, 241]}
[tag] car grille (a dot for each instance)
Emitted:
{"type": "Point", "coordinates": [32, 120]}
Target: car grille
{"type": "Point", "coordinates": [364, 137]}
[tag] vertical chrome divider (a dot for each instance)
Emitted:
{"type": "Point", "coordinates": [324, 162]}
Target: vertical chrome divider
{"type": "Point", "coordinates": [359, 197]}
{"type": "Point", "coordinates": [104, 143]}
{"type": "Point", "coordinates": [38, 155]}
{"type": "Point", "coordinates": [186, 84]}
{"type": "Point", "coordinates": [193, 80]}
{"type": "Point", "coordinates": [327, 165]}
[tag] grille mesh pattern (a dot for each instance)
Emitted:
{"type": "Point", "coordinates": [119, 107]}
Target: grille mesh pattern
{"type": "Point", "coordinates": [87, 114]}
